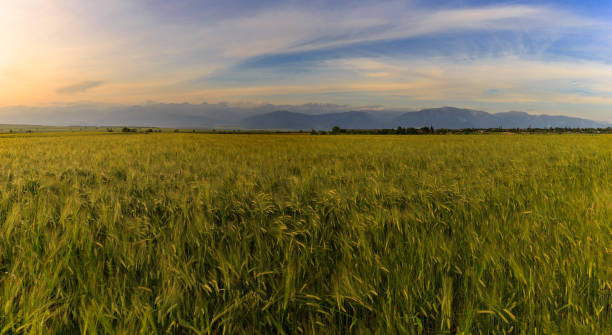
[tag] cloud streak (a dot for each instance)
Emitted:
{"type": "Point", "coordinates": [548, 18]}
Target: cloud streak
{"type": "Point", "coordinates": [80, 87]}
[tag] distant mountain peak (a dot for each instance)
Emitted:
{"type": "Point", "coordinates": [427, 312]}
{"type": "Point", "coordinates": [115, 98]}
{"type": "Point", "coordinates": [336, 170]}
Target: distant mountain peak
{"type": "Point", "coordinates": [443, 117]}
{"type": "Point", "coordinates": [267, 116]}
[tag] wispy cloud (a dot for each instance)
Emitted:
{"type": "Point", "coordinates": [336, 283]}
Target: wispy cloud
{"type": "Point", "coordinates": [397, 22]}
{"type": "Point", "coordinates": [79, 87]}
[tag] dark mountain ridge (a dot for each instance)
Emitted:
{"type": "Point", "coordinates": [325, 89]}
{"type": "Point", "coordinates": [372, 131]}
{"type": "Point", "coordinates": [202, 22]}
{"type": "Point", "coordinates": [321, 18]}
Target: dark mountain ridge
{"type": "Point", "coordinates": [445, 117]}
{"type": "Point", "coordinates": [291, 120]}
{"type": "Point", "coordinates": [281, 117]}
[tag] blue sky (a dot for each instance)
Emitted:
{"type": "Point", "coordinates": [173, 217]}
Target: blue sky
{"type": "Point", "coordinates": [548, 57]}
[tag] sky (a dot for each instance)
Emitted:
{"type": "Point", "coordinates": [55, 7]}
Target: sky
{"type": "Point", "coordinates": [541, 57]}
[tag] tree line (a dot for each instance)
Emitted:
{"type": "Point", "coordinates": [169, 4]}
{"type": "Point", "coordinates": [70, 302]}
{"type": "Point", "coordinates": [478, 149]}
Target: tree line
{"type": "Point", "coordinates": [336, 130]}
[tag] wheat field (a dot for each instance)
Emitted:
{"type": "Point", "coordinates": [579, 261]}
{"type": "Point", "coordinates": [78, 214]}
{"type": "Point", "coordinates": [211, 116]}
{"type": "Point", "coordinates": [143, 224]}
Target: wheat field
{"type": "Point", "coordinates": [289, 234]}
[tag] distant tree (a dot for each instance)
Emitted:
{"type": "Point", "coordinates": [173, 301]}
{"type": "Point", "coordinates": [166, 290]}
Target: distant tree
{"type": "Point", "coordinates": [336, 130]}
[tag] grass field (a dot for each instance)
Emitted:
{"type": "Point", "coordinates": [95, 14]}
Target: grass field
{"type": "Point", "coordinates": [213, 234]}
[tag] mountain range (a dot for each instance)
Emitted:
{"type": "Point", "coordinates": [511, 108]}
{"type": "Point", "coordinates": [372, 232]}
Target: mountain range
{"type": "Point", "coordinates": [279, 117]}
{"type": "Point", "coordinates": [446, 117]}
